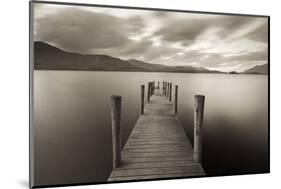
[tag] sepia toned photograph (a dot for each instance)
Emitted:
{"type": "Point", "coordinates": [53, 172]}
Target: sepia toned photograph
{"type": "Point", "coordinates": [121, 94]}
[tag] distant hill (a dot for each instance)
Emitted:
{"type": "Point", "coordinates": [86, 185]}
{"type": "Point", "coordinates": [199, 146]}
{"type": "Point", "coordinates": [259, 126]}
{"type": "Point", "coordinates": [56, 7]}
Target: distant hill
{"type": "Point", "coordinates": [146, 65]}
{"type": "Point", "coordinates": [260, 69]}
{"type": "Point", "coordinates": [48, 57]}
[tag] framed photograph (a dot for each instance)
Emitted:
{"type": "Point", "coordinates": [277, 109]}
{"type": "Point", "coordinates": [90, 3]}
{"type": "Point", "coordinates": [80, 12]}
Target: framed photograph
{"type": "Point", "coordinates": [122, 94]}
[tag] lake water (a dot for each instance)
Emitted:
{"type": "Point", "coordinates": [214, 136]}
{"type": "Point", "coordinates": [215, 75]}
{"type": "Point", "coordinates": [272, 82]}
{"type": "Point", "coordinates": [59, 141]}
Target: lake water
{"type": "Point", "coordinates": [72, 122]}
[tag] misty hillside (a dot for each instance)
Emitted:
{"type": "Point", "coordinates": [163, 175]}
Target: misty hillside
{"type": "Point", "coordinates": [146, 65]}
{"type": "Point", "coordinates": [52, 58]}
{"type": "Point", "coordinates": [260, 69]}
{"type": "Point", "coordinates": [48, 57]}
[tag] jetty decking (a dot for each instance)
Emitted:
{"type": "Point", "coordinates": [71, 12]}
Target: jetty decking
{"type": "Point", "coordinates": [158, 146]}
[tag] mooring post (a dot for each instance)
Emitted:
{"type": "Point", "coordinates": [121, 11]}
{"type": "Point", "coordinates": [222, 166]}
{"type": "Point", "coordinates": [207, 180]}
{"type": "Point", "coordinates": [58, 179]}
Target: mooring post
{"type": "Point", "coordinates": [176, 99]}
{"type": "Point", "coordinates": [167, 87]}
{"type": "Point", "coordinates": [116, 129]}
{"type": "Point", "coordinates": [164, 88]}
{"type": "Point", "coordinates": [142, 99]}
{"type": "Point", "coordinates": [148, 92]}
{"type": "Point", "coordinates": [151, 88]}
{"type": "Point", "coordinates": [198, 123]}
{"type": "Point", "coordinates": [170, 96]}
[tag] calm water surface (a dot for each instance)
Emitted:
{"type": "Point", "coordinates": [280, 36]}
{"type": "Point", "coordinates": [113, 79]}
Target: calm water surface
{"type": "Point", "coordinates": [73, 129]}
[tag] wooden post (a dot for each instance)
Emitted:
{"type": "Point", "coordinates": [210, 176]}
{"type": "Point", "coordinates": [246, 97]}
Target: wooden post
{"type": "Point", "coordinates": [153, 87]}
{"type": "Point", "coordinates": [170, 95]}
{"type": "Point", "coordinates": [142, 99]}
{"type": "Point", "coordinates": [167, 87]}
{"type": "Point", "coordinates": [164, 88]}
{"type": "Point", "coordinates": [148, 92]}
{"type": "Point", "coordinates": [198, 123]}
{"type": "Point", "coordinates": [116, 129]}
{"type": "Point", "coordinates": [176, 99]}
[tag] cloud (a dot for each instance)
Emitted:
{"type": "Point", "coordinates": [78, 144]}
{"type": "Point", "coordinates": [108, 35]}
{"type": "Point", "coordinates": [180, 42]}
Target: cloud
{"type": "Point", "coordinates": [82, 31]}
{"type": "Point", "coordinates": [181, 30]}
{"type": "Point", "coordinates": [222, 42]}
{"type": "Point", "coordinates": [260, 34]}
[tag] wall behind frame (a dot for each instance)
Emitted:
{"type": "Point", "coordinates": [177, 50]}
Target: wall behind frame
{"type": "Point", "coordinates": [15, 89]}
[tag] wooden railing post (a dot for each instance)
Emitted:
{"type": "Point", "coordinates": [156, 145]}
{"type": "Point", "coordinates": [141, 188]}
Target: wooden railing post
{"type": "Point", "coordinates": [142, 99]}
{"type": "Point", "coordinates": [198, 123]}
{"type": "Point", "coordinates": [116, 129]}
{"type": "Point", "coordinates": [170, 95]}
{"type": "Point", "coordinates": [176, 99]}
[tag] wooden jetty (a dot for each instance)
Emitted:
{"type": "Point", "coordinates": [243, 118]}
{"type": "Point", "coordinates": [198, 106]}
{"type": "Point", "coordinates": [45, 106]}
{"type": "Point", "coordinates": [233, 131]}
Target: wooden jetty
{"type": "Point", "coordinates": [157, 147]}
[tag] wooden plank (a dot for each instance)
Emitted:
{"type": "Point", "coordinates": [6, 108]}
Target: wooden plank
{"type": "Point", "coordinates": [170, 146]}
{"type": "Point", "coordinates": [132, 165]}
{"type": "Point", "coordinates": [158, 170]}
{"type": "Point", "coordinates": [160, 158]}
{"type": "Point", "coordinates": [157, 147]}
{"type": "Point", "coordinates": [156, 176]}
{"type": "Point", "coordinates": [155, 154]}
{"type": "Point", "coordinates": [156, 142]}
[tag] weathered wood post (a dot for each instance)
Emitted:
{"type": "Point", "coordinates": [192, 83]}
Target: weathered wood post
{"type": "Point", "coordinates": [116, 129]}
{"type": "Point", "coordinates": [164, 86]}
{"type": "Point", "coordinates": [148, 92]}
{"type": "Point", "coordinates": [153, 88]}
{"type": "Point", "coordinates": [170, 95]}
{"type": "Point", "coordinates": [176, 99]}
{"type": "Point", "coordinates": [158, 88]}
{"type": "Point", "coordinates": [167, 86]}
{"type": "Point", "coordinates": [198, 123]}
{"type": "Point", "coordinates": [142, 99]}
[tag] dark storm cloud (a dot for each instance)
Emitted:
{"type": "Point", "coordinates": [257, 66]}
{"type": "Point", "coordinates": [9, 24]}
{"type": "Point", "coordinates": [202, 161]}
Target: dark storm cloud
{"type": "Point", "coordinates": [82, 31]}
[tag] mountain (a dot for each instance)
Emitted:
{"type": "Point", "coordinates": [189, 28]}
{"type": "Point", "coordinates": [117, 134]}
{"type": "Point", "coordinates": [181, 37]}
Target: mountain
{"type": "Point", "coordinates": [52, 58]}
{"type": "Point", "coordinates": [259, 69]}
{"type": "Point", "coordinates": [146, 65]}
{"type": "Point", "coordinates": [48, 57]}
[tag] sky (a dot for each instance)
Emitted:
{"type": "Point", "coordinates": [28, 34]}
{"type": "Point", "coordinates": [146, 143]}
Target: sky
{"type": "Point", "coordinates": [216, 42]}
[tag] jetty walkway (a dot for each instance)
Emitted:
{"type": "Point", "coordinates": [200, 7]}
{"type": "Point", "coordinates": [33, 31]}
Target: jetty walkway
{"type": "Point", "coordinates": [157, 146]}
